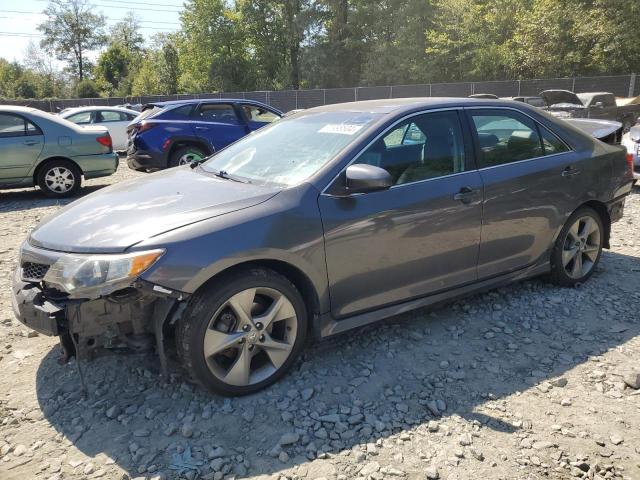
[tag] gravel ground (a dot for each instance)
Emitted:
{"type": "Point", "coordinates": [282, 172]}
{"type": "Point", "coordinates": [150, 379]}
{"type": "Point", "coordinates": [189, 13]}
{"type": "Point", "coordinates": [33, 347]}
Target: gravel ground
{"type": "Point", "coordinates": [525, 382]}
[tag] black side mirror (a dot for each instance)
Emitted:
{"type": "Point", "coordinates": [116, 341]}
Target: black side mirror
{"type": "Point", "coordinates": [363, 178]}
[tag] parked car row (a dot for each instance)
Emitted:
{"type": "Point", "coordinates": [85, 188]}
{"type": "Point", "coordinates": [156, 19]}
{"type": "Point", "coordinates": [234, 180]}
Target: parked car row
{"type": "Point", "coordinates": [169, 134]}
{"type": "Point", "coordinates": [322, 222]}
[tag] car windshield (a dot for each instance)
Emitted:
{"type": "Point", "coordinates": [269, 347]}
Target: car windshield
{"type": "Point", "coordinates": [288, 152]}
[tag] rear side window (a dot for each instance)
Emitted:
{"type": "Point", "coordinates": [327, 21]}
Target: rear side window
{"type": "Point", "coordinates": [111, 116]}
{"type": "Point", "coordinates": [505, 137]}
{"type": "Point", "coordinates": [217, 112]}
{"type": "Point", "coordinates": [149, 111]}
{"type": "Point", "coordinates": [551, 143]}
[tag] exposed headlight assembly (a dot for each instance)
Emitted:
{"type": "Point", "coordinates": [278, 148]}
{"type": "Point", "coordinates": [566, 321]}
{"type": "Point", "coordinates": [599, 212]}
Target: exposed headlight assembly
{"type": "Point", "coordinates": [91, 276]}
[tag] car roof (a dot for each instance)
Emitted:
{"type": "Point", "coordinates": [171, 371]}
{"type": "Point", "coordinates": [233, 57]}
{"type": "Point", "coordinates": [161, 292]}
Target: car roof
{"type": "Point", "coordinates": [191, 101]}
{"type": "Point", "coordinates": [398, 105]}
{"type": "Point", "coordinates": [17, 108]}
{"type": "Point", "coordinates": [93, 108]}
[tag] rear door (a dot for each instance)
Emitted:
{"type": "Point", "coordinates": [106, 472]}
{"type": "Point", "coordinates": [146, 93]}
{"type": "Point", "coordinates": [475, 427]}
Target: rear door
{"type": "Point", "coordinates": [532, 182]}
{"type": "Point", "coordinates": [417, 238]}
{"type": "Point", "coordinates": [258, 116]}
{"type": "Point", "coordinates": [21, 142]}
{"type": "Point", "coordinates": [218, 124]}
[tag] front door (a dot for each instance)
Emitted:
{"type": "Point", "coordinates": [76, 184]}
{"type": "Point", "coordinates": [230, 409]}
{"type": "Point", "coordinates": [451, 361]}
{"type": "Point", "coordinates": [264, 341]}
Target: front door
{"type": "Point", "coordinates": [419, 237]}
{"type": "Point", "coordinates": [218, 124]}
{"type": "Point", "coordinates": [531, 179]}
{"type": "Point", "coordinates": [20, 145]}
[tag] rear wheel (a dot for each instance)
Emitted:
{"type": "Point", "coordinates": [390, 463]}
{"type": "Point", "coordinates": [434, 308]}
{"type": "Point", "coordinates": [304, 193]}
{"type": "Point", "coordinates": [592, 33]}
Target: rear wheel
{"type": "Point", "coordinates": [59, 178]}
{"type": "Point", "coordinates": [578, 248]}
{"type": "Point", "coordinates": [186, 156]}
{"type": "Point", "coordinates": [243, 332]}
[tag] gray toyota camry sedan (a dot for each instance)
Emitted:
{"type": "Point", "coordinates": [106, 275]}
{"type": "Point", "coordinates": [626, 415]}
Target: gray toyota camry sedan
{"type": "Point", "coordinates": [330, 219]}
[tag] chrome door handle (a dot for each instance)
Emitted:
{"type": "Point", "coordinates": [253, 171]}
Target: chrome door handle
{"type": "Point", "coordinates": [31, 142]}
{"type": "Point", "coordinates": [570, 171]}
{"type": "Point", "coordinates": [201, 128]}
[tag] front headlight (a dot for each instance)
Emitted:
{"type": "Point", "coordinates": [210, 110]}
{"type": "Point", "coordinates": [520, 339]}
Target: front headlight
{"type": "Point", "coordinates": [95, 275]}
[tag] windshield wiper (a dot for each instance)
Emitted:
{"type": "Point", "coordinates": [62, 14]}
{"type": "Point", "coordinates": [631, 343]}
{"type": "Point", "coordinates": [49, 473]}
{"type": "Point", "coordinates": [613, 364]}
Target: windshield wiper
{"type": "Point", "coordinates": [227, 176]}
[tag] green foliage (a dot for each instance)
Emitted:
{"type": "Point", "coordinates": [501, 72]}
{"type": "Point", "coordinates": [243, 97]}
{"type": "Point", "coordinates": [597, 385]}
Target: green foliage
{"type": "Point", "coordinates": [243, 45]}
{"type": "Point", "coordinates": [87, 89]}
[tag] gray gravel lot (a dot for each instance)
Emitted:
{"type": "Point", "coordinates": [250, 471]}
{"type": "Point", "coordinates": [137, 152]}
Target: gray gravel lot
{"type": "Point", "coordinates": [525, 382]}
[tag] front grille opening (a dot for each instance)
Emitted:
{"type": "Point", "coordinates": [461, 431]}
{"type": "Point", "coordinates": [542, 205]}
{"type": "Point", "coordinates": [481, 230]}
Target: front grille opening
{"type": "Point", "coordinates": [34, 271]}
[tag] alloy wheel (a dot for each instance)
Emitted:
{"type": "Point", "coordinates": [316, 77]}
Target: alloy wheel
{"type": "Point", "coordinates": [59, 179]}
{"type": "Point", "coordinates": [581, 247]}
{"type": "Point", "coordinates": [189, 158]}
{"type": "Point", "coordinates": [250, 336]}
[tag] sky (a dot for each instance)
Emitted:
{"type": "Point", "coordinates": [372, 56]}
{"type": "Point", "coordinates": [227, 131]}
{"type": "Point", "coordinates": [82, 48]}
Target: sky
{"type": "Point", "coordinates": [19, 20]}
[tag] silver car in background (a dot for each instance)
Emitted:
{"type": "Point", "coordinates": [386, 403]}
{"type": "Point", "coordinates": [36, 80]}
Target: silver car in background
{"type": "Point", "coordinates": [114, 119]}
{"type": "Point", "coordinates": [37, 148]}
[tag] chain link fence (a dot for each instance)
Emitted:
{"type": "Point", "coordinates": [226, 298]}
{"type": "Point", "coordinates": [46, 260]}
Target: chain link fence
{"type": "Point", "coordinates": [286, 100]}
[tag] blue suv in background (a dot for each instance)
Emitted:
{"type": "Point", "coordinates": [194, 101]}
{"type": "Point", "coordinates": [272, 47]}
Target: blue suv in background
{"type": "Point", "coordinates": [167, 134]}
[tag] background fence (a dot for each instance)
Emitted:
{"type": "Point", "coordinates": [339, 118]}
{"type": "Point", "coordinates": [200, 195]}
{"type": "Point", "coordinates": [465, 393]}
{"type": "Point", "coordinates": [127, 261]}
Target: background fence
{"type": "Point", "coordinates": [285, 100]}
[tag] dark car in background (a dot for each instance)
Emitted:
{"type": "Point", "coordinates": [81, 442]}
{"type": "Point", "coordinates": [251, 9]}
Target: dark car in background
{"type": "Point", "coordinates": [168, 134]}
{"type": "Point", "coordinates": [597, 105]}
{"type": "Point", "coordinates": [325, 221]}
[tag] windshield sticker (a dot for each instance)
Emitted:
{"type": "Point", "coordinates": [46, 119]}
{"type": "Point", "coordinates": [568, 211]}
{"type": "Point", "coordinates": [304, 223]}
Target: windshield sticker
{"type": "Point", "coordinates": [340, 128]}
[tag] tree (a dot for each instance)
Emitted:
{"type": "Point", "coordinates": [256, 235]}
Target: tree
{"type": "Point", "coordinates": [127, 33]}
{"type": "Point", "coordinates": [214, 52]}
{"type": "Point", "coordinates": [87, 89]}
{"type": "Point", "coordinates": [70, 31]}
{"type": "Point", "coordinates": [113, 66]}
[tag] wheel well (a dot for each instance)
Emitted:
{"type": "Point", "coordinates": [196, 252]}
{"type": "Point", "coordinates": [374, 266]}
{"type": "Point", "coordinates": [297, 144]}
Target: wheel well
{"type": "Point", "coordinates": [601, 208]}
{"type": "Point", "coordinates": [294, 274]}
{"type": "Point", "coordinates": [42, 164]}
{"type": "Point", "coordinates": [189, 143]}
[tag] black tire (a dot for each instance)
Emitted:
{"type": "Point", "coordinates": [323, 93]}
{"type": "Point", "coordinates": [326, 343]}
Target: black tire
{"type": "Point", "coordinates": [55, 190]}
{"type": "Point", "coordinates": [559, 274]}
{"type": "Point", "coordinates": [194, 323]}
{"type": "Point", "coordinates": [179, 153]}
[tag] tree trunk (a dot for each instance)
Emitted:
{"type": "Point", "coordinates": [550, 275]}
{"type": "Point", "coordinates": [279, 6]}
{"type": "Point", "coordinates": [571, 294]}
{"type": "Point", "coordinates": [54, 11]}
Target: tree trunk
{"type": "Point", "coordinates": [292, 10]}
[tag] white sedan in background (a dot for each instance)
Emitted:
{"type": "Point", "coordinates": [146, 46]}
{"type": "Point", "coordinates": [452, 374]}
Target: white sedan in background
{"type": "Point", "coordinates": [115, 119]}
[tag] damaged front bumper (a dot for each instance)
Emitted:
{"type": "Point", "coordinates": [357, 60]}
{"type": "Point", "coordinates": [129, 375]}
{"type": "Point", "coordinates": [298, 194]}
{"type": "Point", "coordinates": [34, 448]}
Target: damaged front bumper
{"type": "Point", "coordinates": [133, 317]}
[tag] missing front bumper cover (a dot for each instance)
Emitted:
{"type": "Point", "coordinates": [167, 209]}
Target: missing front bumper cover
{"type": "Point", "coordinates": [130, 319]}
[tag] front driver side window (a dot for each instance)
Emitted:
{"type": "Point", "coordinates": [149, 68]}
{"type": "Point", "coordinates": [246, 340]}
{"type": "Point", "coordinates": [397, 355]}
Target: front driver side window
{"type": "Point", "coordinates": [425, 146]}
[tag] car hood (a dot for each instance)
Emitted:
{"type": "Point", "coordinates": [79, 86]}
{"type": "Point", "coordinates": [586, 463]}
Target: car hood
{"type": "Point", "coordinates": [118, 217]}
{"type": "Point", "coordinates": [561, 98]}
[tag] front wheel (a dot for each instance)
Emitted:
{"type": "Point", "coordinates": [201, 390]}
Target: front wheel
{"type": "Point", "coordinates": [578, 248]}
{"type": "Point", "coordinates": [243, 332]}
